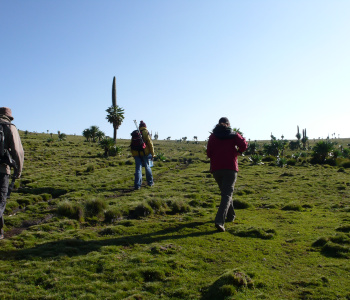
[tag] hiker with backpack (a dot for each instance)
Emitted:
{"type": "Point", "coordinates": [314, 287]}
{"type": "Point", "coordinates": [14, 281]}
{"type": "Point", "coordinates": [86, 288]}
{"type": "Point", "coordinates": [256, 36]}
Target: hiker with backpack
{"type": "Point", "coordinates": [223, 147]}
{"type": "Point", "coordinates": [11, 156]}
{"type": "Point", "coordinates": [143, 152]}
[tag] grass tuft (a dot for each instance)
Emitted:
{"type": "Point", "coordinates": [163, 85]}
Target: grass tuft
{"type": "Point", "coordinates": [241, 204]}
{"type": "Point", "coordinates": [292, 206]}
{"type": "Point", "coordinates": [265, 234]}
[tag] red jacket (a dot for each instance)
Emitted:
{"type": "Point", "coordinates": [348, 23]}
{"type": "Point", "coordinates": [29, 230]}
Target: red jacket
{"type": "Point", "coordinates": [223, 152]}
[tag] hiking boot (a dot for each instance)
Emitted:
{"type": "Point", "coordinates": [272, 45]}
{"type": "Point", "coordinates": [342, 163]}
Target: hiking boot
{"type": "Point", "coordinates": [220, 228]}
{"type": "Point", "coordinates": [137, 188]}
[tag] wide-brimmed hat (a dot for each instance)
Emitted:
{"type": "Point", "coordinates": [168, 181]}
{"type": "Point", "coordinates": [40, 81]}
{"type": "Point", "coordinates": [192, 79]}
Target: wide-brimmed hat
{"type": "Point", "coordinates": [6, 112]}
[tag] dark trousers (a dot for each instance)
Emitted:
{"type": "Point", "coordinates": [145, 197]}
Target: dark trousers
{"type": "Point", "coordinates": [226, 180]}
{"type": "Point", "coordinates": [4, 185]}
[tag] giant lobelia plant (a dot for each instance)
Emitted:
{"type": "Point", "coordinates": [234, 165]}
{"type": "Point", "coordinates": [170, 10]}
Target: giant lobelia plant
{"type": "Point", "coordinates": [115, 114]}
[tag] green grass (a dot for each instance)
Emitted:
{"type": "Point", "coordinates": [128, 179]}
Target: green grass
{"type": "Point", "coordinates": [75, 228]}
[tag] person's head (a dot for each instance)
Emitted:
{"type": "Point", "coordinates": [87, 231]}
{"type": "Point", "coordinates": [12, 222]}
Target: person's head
{"type": "Point", "coordinates": [224, 121]}
{"type": "Point", "coordinates": [5, 111]}
{"type": "Point", "coordinates": [142, 124]}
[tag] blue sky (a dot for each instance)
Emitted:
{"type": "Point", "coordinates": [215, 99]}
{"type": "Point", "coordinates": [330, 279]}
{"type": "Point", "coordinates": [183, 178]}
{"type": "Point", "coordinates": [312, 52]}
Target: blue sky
{"type": "Point", "coordinates": [180, 65]}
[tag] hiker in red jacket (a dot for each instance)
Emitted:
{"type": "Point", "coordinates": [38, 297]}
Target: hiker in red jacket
{"type": "Point", "coordinates": [223, 147]}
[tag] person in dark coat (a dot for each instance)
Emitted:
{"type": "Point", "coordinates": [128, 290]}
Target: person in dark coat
{"type": "Point", "coordinates": [223, 147]}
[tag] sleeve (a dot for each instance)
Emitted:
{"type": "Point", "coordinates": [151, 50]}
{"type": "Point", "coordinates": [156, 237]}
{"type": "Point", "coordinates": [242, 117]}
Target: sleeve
{"type": "Point", "coordinates": [209, 147]}
{"type": "Point", "coordinates": [241, 143]}
{"type": "Point", "coordinates": [148, 142]}
{"type": "Point", "coordinates": [17, 152]}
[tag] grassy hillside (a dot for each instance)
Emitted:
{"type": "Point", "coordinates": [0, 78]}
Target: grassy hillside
{"type": "Point", "coordinates": [75, 227]}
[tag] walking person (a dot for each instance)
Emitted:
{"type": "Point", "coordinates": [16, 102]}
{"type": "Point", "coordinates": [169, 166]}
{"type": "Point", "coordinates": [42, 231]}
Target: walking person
{"type": "Point", "coordinates": [223, 147]}
{"type": "Point", "coordinates": [142, 155]}
{"type": "Point", "coordinates": [11, 155]}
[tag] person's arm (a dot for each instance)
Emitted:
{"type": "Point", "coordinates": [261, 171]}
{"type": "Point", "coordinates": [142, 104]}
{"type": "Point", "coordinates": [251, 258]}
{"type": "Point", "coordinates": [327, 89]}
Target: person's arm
{"type": "Point", "coordinates": [209, 147]}
{"type": "Point", "coordinates": [17, 152]}
{"type": "Point", "coordinates": [148, 141]}
{"type": "Point", "coordinates": [241, 143]}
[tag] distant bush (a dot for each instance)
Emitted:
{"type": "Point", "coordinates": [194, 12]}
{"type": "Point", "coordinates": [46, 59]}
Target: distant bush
{"type": "Point", "coordinates": [346, 164]}
{"type": "Point", "coordinates": [281, 162]}
{"type": "Point", "coordinates": [322, 151]}
{"type": "Point", "coordinates": [346, 152]}
{"type": "Point", "coordinates": [160, 156]}
{"type": "Point", "coordinates": [291, 162]}
{"type": "Point", "coordinates": [269, 158]}
{"type": "Point", "coordinates": [256, 159]}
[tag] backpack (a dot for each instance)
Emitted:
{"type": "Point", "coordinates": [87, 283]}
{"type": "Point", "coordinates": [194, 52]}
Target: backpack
{"type": "Point", "coordinates": [5, 157]}
{"type": "Point", "coordinates": [137, 142]}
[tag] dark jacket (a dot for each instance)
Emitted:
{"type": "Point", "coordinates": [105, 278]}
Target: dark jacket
{"type": "Point", "coordinates": [223, 148]}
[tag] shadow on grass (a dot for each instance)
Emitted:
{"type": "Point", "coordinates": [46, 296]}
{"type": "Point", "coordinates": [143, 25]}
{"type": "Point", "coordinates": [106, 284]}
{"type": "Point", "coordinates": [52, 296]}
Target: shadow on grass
{"type": "Point", "coordinates": [75, 247]}
{"type": "Point", "coordinates": [55, 193]}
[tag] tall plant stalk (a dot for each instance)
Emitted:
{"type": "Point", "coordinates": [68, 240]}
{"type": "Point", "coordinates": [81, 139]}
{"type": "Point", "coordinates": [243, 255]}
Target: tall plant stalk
{"type": "Point", "coordinates": [115, 114]}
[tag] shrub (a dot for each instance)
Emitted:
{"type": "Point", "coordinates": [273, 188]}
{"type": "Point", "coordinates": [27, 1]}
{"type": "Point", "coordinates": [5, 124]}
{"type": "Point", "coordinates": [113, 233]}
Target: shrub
{"type": "Point", "coordinates": [256, 159]}
{"type": "Point", "coordinates": [291, 162]}
{"type": "Point", "coordinates": [156, 204]}
{"type": "Point", "coordinates": [112, 215]}
{"type": "Point", "coordinates": [90, 169]}
{"type": "Point", "coordinates": [142, 210]}
{"type": "Point", "coordinates": [179, 206]}
{"type": "Point", "coordinates": [115, 151]}
{"type": "Point", "coordinates": [46, 197]}
{"type": "Point", "coordinates": [281, 162]}
{"type": "Point", "coordinates": [239, 204]}
{"type": "Point", "coordinates": [10, 206]}
{"type": "Point", "coordinates": [303, 154]}
{"type": "Point", "coordinates": [292, 206]}
{"type": "Point", "coordinates": [24, 201]}
{"type": "Point", "coordinates": [70, 210]}
{"type": "Point", "coordinates": [152, 274]}
{"type": "Point", "coordinates": [269, 158]}
{"type": "Point", "coordinates": [335, 250]}
{"type": "Point", "coordinates": [94, 207]}
{"type": "Point", "coordinates": [320, 242]}
{"type": "Point", "coordinates": [346, 153]}
{"type": "Point", "coordinates": [346, 164]}
{"type": "Point", "coordinates": [343, 228]}
{"type": "Point", "coordinates": [160, 156]}
{"type": "Point", "coordinates": [321, 151]}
